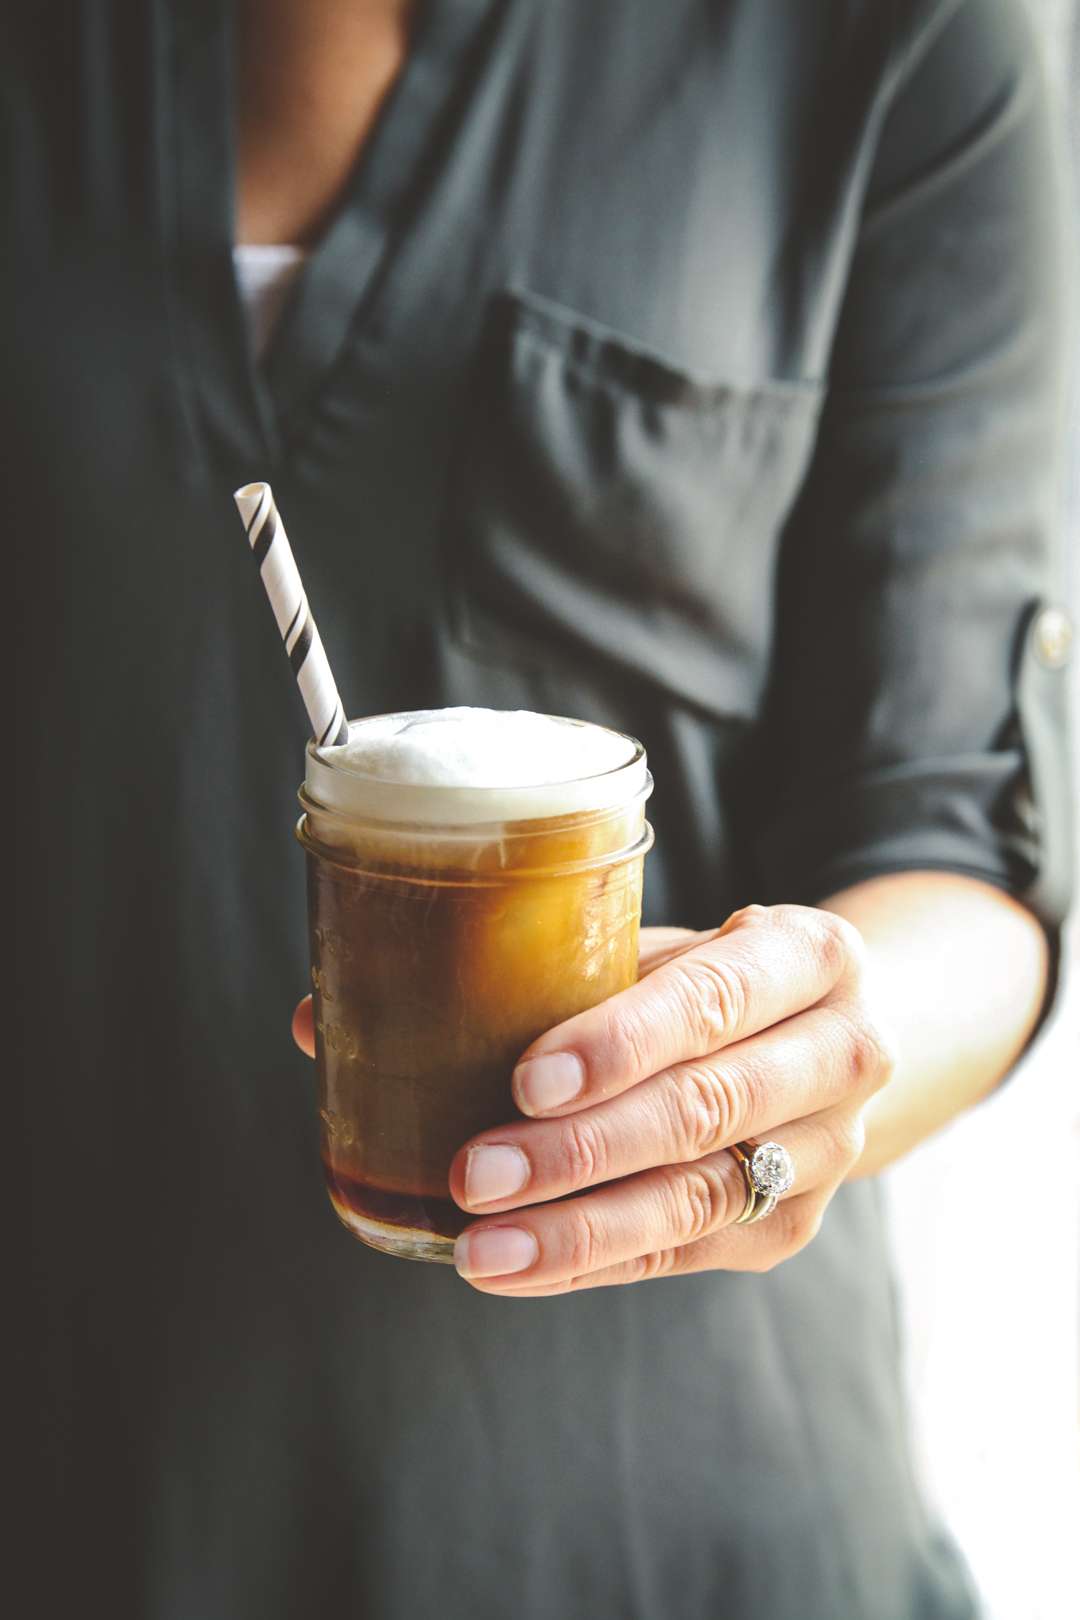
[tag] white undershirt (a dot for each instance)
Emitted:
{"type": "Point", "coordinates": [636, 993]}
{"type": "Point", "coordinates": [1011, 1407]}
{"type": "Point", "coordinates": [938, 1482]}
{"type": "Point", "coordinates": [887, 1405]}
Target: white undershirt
{"type": "Point", "coordinates": [265, 275]}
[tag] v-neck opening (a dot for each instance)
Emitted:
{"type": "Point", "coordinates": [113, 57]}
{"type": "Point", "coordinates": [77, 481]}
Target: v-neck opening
{"type": "Point", "coordinates": [252, 405]}
{"type": "Point", "coordinates": [214, 346]}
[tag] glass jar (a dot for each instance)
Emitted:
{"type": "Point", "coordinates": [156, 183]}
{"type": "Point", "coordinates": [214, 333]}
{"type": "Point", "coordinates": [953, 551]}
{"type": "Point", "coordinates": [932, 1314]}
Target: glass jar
{"type": "Point", "coordinates": [440, 949]}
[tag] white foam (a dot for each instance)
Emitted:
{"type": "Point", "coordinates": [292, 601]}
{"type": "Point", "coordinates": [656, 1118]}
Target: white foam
{"type": "Point", "coordinates": [463, 766]}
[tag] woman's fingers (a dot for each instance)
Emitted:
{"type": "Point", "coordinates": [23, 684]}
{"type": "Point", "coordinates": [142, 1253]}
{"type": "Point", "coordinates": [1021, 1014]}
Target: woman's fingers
{"type": "Point", "coordinates": [657, 945]}
{"type": "Point", "coordinates": [303, 1027]}
{"type": "Point", "coordinates": [764, 965]}
{"type": "Point", "coordinates": [659, 1211]}
{"type": "Point", "coordinates": [830, 1055]}
{"type": "Point", "coordinates": [760, 1247]}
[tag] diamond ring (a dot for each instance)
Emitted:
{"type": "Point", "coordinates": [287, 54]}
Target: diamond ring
{"type": "Point", "coordinates": [768, 1172]}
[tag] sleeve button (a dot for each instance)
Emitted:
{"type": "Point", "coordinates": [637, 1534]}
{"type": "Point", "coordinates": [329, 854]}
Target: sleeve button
{"type": "Point", "coordinates": [1052, 638]}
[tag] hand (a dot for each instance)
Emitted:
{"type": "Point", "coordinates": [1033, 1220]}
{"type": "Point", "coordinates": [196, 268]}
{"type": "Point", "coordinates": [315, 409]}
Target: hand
{"type": "Point", "coordinates": [760, 1028]}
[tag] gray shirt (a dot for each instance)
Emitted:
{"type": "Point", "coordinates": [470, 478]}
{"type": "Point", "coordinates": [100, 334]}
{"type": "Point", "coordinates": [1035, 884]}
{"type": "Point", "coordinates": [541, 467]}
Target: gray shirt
{"type": "Point", "coordinates": [686, 367]}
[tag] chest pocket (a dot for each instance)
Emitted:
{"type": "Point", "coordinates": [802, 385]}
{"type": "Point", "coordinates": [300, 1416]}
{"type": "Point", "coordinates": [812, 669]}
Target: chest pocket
{"type": "Point", "coordinates": [609, 507]}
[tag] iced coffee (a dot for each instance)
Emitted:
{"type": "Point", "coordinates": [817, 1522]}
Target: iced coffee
{"type": "Point", "coordinates": [474, 878]}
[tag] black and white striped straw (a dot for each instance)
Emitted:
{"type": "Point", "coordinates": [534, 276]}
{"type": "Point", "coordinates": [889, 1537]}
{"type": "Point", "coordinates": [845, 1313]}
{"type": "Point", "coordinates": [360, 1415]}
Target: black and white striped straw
{"type": "Point", "coordinates": [273, 556]}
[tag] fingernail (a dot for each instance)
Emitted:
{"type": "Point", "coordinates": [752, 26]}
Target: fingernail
{"type": "Point", "coordinates": [494, 1172]}
{"type": "Point", "coordinates": [494, 1251]}
{"type": "Point", "coordinates": [546, 1082]}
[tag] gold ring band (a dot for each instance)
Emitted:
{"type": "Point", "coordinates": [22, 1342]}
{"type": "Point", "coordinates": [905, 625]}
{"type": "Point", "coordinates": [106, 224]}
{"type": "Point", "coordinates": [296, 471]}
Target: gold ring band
{"type": "Point", "coordinates": [743, 1152]}
{"type": "Point", "coordinates": [768, 1173]}
{"type": "Point", "coordinates": [764, 1206]}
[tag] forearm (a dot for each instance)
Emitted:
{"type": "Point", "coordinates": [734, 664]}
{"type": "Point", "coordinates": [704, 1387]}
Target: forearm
{"type": "Point", "coordinates": [958, 973]}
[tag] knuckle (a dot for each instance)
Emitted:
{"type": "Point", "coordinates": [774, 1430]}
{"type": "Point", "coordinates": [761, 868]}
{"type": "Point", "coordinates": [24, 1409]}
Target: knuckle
{"type": "Point", "coordinates": [836, 942]}
{"type": "Point", "coordinates": [888, 1052]}
{"type": "Point", "coordinates": [582, 1153]}
{"type": "Point", "coordinates": [863, 1051]}
{"type": "Point", "coordinates": [790, 917]}
{"type": "Point", "coordinates": [716, 993]}
{"type": "Point", "coordinates": [849, 1140]}
{"type": "Point", "coordinates": [583, 1241]}
{"type": "Point", "coordinates": [704, 1110]}
{"type": "Point", "coordinates": [745, 1084]}
{"type": "Point", "coordinates": [699, 1199]}
{"type": "Point", "coordinates": [748, 916]}
{"type": "Point", "coordinates": [871, 1053]}
{"type": "Point", "coordinates": [839, 944]}
{"type": "Point", "coordinates": [660, 1263]}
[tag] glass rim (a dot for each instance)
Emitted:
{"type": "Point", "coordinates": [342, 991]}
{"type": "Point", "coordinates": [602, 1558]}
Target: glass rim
{"type": "Point", "coordinates": [491, 878]}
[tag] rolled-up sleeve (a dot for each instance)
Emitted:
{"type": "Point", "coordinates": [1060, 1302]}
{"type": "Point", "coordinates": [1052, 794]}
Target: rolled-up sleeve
{"type": "Point", "coordinates": [917, 710]}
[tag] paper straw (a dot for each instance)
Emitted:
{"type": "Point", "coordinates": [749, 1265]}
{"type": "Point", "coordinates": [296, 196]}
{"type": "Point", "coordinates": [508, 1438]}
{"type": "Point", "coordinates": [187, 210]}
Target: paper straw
{"type": "Point", "coordinates": [273, 555]}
